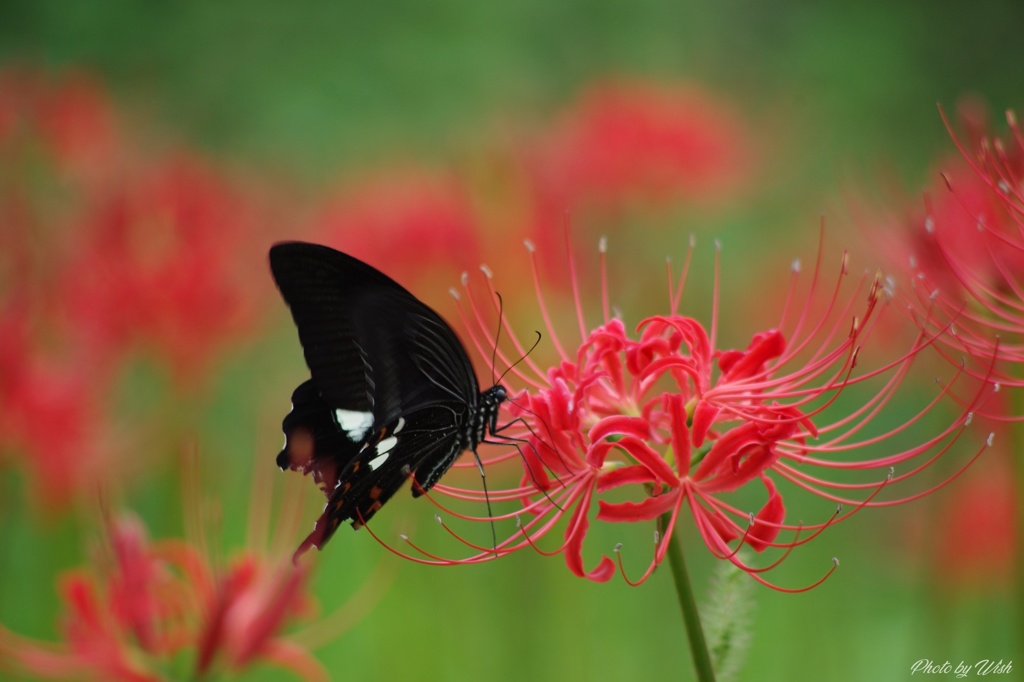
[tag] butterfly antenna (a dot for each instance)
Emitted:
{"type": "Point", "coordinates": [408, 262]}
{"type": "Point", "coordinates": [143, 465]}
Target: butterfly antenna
{"type": "Point", "coordinates": [523, 357]}
{"type": "Point", "coordinates": [497, 336]}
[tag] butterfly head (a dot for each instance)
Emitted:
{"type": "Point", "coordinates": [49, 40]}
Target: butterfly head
{"type": "Point", "coordinates": [495, 395]}
{"type": "Point", "coordinates": [490, 402]}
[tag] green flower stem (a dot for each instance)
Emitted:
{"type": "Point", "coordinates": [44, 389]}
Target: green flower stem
{"type": "Point", "coordinates": [1017, 463]}
{"type": "Point", "coordinates": [694, 631]}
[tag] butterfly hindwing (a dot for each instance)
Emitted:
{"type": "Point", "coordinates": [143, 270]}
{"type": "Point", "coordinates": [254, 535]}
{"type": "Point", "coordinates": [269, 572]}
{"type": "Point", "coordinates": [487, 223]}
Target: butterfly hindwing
{"type": "Point", "coordinates": [418, 446]}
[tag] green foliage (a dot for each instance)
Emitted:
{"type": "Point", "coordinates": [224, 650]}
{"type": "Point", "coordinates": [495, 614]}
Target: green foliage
{"type": "Point", "coordinates": [728, 619]}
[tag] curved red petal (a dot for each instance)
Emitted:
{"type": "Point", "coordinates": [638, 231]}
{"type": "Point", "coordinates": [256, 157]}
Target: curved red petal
{"type": "Point", "coordinates": [645, 510]}
{"type": "Point", "coordinates": [620, 425]}
{"type": "Point", "coordinates": [767, 522]}
{"type": "Point", "coordinates": [575, 533]}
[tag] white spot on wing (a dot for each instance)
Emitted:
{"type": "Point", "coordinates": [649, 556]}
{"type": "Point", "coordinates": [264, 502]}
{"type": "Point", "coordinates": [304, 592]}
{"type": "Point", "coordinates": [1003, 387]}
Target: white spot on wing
{"type": "Point", "coordinates": [383, 452]}
{"type": "Point", "coordinates": [386, 445]}
{"type": "Point", "coordinates": [354, 424]}
{"type": "Point", "coordinates": [400, 425]}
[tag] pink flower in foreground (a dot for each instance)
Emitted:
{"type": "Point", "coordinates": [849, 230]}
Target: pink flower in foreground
{"type": "Point", "coordinates": [640, 425]}
{"type": "Point", "coordinates": [147, 608]}
{"type": "Point", "coordinates": [130, 616]}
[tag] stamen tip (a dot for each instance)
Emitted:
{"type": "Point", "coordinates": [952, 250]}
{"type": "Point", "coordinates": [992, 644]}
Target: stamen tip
{"type": "Point", "coordinates": [602, 244]}
{"type": "Point", "coordinates": [487, 271]}
{"type": "Point", "coordinates": [529, 246]}
{"type": "Point", "coordinates": [795, 266]}
{"type": "Point", "coordinates": [454, 292]}
{"type": "Point", "coordinates": [991, 438]}
{"type": "Point", "coordinates": [618, 547]}
{"type": "Point", "coordinates": [835, 560]}
{"type": "Point", "coordinates": [889, 287]}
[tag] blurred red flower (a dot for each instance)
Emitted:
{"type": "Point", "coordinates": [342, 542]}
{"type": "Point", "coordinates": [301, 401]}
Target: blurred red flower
{"type": "Point", "coordinates": [50, 416]}
{"type": "Point", "coordinates": [964, 252]}
{"type": "Point", "coordinates": [630, 144]}
{"type": "Point", "coordinates": [978, 521]}
{"type": "Point", "coordinates": [624, 140]}
{"type": "Point", "coordinates": [406, 221]}
{"type": "Point", "coordinates": [160, 262]}
{"type": "Point", "coordinates": [70, 117]}
{"type": "Point", "coordinates": [108, 248]}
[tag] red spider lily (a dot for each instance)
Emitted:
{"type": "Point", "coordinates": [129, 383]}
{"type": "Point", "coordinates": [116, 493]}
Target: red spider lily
{"type": "Point", "coordinates": [78, 123]}
{"type": "Point", "coordinates": [129, 617]}
{"type": "Point", "coordinates": [629, 144]}
{"type": "Point", "coordinates": [651, 423]}
{"type": "Point", "coordinates": [405, 219]}
{"type": "Point", "coordinates": [627, 139]}
{"type": "Point", "coordinates": [144, 604]}
{"type": "Point", "coordinates": [50, 416]}
{"type": "Point", "coordinates": [979, 535]}
{"type": "Point", "coordinates": [966, 250]}
{"type": "Point", "coordinates": [71, 118]}
{"type": "Point", "coordinates": [158, 264]}
{"type": "Point", "coordinates": [103, 254]}
{"type": "Point", "coordinates": [118, 250]}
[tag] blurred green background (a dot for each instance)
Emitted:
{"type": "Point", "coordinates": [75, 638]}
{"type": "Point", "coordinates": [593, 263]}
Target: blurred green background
{"type": "Point", "coordinates": [839, 96]}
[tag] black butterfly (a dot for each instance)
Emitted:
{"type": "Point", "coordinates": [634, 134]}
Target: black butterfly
{"type": "Point", "coordinates": [392, 393]}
